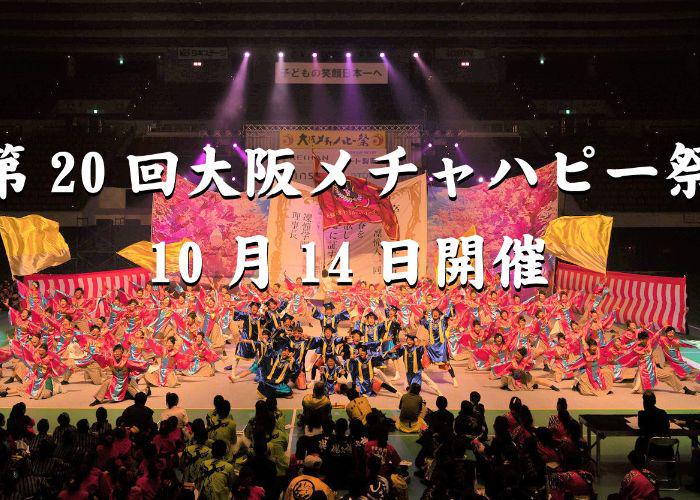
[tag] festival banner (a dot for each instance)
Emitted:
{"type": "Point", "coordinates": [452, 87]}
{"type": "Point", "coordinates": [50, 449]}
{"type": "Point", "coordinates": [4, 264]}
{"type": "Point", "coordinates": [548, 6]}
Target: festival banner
{"type": "Point", "coordinates": [582, 240]}
{"type": "Point", "coordinates": [514, 208]}
{"type": "Point", "coordinates": [32, 243]}
{"type": "Point", "coordinates": [209, 220]}
{"type": "Point", "coordinates": [295, 222]}
{"type": "Point", "coordinates": [346, 73]}
{"type": "Point", "coordinates": [640, 298]}
{"type": "Point", "coordinates": [141, 253]}
{"type": "Point", "coordinates": [363, 145]}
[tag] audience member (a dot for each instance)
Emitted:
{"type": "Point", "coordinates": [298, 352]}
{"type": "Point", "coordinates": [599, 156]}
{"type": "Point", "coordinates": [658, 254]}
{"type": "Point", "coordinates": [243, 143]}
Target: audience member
{"type": "Point", "coordinates": [412, 408]}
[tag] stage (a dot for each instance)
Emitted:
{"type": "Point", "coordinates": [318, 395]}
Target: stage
{"type": "Point", "coordinates": [198, 392]}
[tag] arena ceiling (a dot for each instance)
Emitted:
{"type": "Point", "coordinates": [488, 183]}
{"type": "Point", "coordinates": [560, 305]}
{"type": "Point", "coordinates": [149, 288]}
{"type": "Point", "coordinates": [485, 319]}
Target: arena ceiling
{"type": "Point", "coordinates": [151, 26]}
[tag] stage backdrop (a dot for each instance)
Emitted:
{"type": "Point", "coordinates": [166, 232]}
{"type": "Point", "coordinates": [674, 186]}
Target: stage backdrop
{"type": "Point", "coordinates": [641, 298]}
{"type": "Point", "coordinates": [513, 209]}
{"type": "Point", "coordinates": [294, 222]}
{"type": "Point", "coordinates": [209, 220]}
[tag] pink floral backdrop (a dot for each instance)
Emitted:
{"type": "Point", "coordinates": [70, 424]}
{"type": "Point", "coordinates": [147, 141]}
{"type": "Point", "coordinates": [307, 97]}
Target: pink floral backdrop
{"type": "Point", "coordinates": [210, 221]}
{"type": "Point", "coordinates": [511, 209]}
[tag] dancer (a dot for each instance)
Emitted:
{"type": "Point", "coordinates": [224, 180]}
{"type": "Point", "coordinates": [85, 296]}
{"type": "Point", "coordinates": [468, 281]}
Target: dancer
{"type": "Point", "coordinates": [436, 323]}
{"type": "Point", "coordinates": [122, 382]}
{"type": "Point", "coordinates": [648, 374]}
{"type": "Point", "coordinates": [365, 376]}
{"type": "Point", "coordinates": [412, 355]}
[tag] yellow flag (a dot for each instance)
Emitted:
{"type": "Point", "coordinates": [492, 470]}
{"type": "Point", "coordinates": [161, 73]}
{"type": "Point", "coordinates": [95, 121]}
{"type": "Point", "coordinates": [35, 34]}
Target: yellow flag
{"type": "Point", "coordinates": [32, 243]}
{"type": "Point", "coordinates": [142, 254]}
{"type": "Point", "coordinates": [583, 241]}
{"type": "Point", "coordinates": [469, 232]}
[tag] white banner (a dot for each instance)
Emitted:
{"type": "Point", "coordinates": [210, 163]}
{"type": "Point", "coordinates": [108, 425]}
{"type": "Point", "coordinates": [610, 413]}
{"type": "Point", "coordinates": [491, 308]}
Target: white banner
{"type": "Point", "coordinates": [202, 53]}
{"type": "Point", "coordinates": [331, 73]}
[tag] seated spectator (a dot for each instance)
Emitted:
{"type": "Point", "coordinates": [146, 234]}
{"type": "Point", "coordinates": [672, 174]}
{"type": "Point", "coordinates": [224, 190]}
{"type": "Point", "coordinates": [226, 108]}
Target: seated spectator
{"type": "Point", "coordinates": [316, 405]}
{"type": "Point", "coordinates": [64, 425]}
{"type": "Point", "coordinates": [305, 486]}
{"type": "Point", "coordinates": [296, 459]}
{"type": "Point", "coordinates": [121, 446]}
{"type": "Point", "coordinates": [378, 486]}
{"type": "Point", "coordinates": [166, 447]}
{"type": "Point", "coordinates": [388, 455]}
{"type": "Point", "coordinates": [652, 421]}
{"type": "Point", "coordinates": [148, 484]}
{"type": "Point", "coordinates": [66, 448]}
{"type": "Point", "coordinates": [101, 426]}
{"type": "Point", "coordinates": [244, 487]}
{"type": "Point", "coordinates": [338, 457]}
{"type": "Point", "coordinates": [25, 484]}
{"type": "Point", "coordinates": [571, 445]}
{"type": "Point", "coordinates": [412, 408]}
{"type": "Point", "coordinates": [639, 483]}
{"type": "Point", "coordinates": [441, 418]}
{"type": "Point", "coordinates": [85, 442]}
{"type": "Point", "coordinates": [222, 426]}
{"type": "Point", "coordinates": [195, 453]}
{"type": "Point", "coordinates": [557, 423]}
{"type": "Point", "coordinates": [571, 484]}
{"type": "Point", "coordinates": [217, 475]}
{"type": "Point", "coordinates": [43, 464]}
{"type": "Point", "coordinates": [466, 424]}
{"type": "Point", "coordinates": [278, 416]}
{"type": "Point", "coordinates": [358, 406]}
{"type": "Point", "coordinates": [547, 446]}
{"type": "Point", "coordinates": [513, 413]}
{"type": "Point", "coordinates": [262, 419]}
{"type": "Point", "coordinates": [358, 440]}
{"type": "Point", "coordinates": [172, 400]}
{"type": "Point", "coordinates": [42, 434]}
{"type": "Point", "coordinates": [479, 412]}
{"type": "Point", "coordinates": [138, 415]}
{"type": "Point", "coordinates": [264, 469]}
{"type": "Point", "coordinates": [525, 428]}
{"type": "Point", "coordinates": [19, 425]}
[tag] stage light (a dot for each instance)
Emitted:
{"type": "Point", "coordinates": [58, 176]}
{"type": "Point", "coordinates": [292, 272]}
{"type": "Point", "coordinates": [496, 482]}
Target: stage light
{"type": "Point", "coordinates": [567, 111]}
{"type": "Point", "coordinates": [95, 111]}
{"type": "Point", "coordinates": [197, 64]}
{"type": "Point", "coordinates": [382, 55]}
{"type": "Point", "coordinates": [541, 59]}
{"type": "Point", "coordinates": [121, 60]}
{"type": "Point", "coordinates": [280, 54]}
{"type": "Point", "coordinates": [233, 178]}
{"type": "Point", "coordinates": [348, 54]}
{"type": "Point", "coordinates": [246, 54]}
{"type": "Point", "coordinates": [430, 179]}
{"type": "Point", "coordinates": [456, 144]}
{"type": "Point", "coordinates": [235, 145]}
{"type": "Point", "coordinates": [430, 144]}
{"type": "Point", "coordinates": [465, 64]}
{"type": "Point", "coordinates": [314, 55]}
{"type": "Point", "coordinates": [481, 179]}
{"type": "Point", "coordinates": [415, 54]}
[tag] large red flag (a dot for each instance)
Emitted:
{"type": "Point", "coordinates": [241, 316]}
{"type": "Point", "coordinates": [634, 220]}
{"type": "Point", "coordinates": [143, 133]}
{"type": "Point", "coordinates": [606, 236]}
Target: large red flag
{"type": "Point", "coordinates": [357, 201]}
